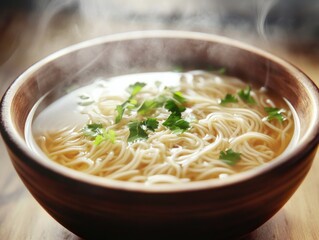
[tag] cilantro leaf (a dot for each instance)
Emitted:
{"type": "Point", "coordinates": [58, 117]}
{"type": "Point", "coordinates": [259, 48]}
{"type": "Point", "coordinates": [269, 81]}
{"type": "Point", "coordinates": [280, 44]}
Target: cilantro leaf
{"type": "Point", "coordinates": [147, 107]}
{"type": "Point", "coordinates": [178, 96]}
{"type": "Point", "coordinates": [131, 103]}
{"type": "Point", "coordinates": [180, 126]}
{"type": "Point", "coordinates": [136, 131]}
{"type": "Point", "coordinates": [244, 94]}
{"type": "Point", "coordinates": [229, 156]}
{"type": "Point", "coordinates": [171, 99]}
{"type": "Point", "coordinates": [173, 118]}
{"type": "Point", "coordinates": [120, 111]}
{"type": "Point", "coordinates": [92, 130]}
{"type": "Point", "coordinates": [275, 113]}
{"type": "Point", "coordinates": [173, 107]}
{"type": "Point", "coordinates": [175, 123]}
{"type": "Point", "coordinates": [228, 99]}
{"type": "Point", "coordinates": [135, 88]}
{"type": "Point", "coordinates": [151, 124]}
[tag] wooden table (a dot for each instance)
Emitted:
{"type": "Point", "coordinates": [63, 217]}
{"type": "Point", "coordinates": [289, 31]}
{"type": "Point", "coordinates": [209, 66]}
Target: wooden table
{"type": "Point", "coordinates": [21, 217]}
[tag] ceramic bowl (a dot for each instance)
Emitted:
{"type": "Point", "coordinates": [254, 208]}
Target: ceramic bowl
{"type": "Point", "coordinates": [93, 207]}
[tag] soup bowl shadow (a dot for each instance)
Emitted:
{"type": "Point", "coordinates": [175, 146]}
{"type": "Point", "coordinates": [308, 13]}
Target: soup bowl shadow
{"type": "Point", "coordinates": [97, 208]}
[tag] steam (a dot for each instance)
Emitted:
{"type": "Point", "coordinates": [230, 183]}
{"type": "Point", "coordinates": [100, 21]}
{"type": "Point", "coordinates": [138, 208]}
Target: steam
{"type": "Point", "coordinates": [263, 8]}
{"type": "Point", "coordinates": [55, 24]}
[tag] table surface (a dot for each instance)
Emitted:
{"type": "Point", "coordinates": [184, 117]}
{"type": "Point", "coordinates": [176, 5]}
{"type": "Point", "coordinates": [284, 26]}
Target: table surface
{"type": "Point", "coordinates": [21, 217]}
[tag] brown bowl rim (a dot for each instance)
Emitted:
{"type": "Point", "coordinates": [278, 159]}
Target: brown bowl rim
{"type": "Point", "coordinates": [14, 141]}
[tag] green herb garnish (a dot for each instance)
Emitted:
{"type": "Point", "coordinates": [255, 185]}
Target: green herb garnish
{"type": "Point", "coordinates": [98, 133]}
{"type": "Point", "coordinates": [151, 124]}
{"type": "Point", "coordinates": [229, 156]}
{"type": "Point", "coordinates": [275, 113]}
{"type": "Point", "coordinates": [106, 135]}
{"type": "Point", "coordinates": [172, 106]}
{"type": "Point", "coordinates": [93, 129]}
{"type": "Point", "coordinates": [138, 130]}
{"type": "Point", "coordinates": [133, 89]}
{"type": "Point", "coordinates": [171, 100]}
{"type": "Point", "coordinates": [229, 99]}
{"type": "Point", "coordinates": [149, 106]}
{"type": "Point", "coordinates": [132, 103]}
{"type": "Point", "coordinates": [120, 111]}
{"type": "Point", "coordinates": [244, 94]}
{"type": "Point", "coordinates": [175, 123]}
{"type": "Point", "coordinates": [178, 96]}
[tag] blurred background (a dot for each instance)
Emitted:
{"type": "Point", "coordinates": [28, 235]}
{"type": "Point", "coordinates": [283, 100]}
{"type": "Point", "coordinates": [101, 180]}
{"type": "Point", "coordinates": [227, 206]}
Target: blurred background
{"type": "Point", "coordinates": [32, 29]}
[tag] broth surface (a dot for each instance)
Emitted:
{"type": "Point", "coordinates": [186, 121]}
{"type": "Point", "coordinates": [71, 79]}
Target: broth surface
{"type": "Point", "coordinates": [165, 127]}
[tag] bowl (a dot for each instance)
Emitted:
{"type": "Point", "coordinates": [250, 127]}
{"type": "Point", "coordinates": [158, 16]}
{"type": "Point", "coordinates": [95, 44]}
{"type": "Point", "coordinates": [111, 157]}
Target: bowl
{"type": "Point", "coordinates": [94, 208]}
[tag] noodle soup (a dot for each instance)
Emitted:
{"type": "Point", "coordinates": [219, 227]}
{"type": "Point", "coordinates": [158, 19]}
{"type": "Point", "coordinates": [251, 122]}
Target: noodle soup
{"type": "Point", "coordinates": [165, 127]}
